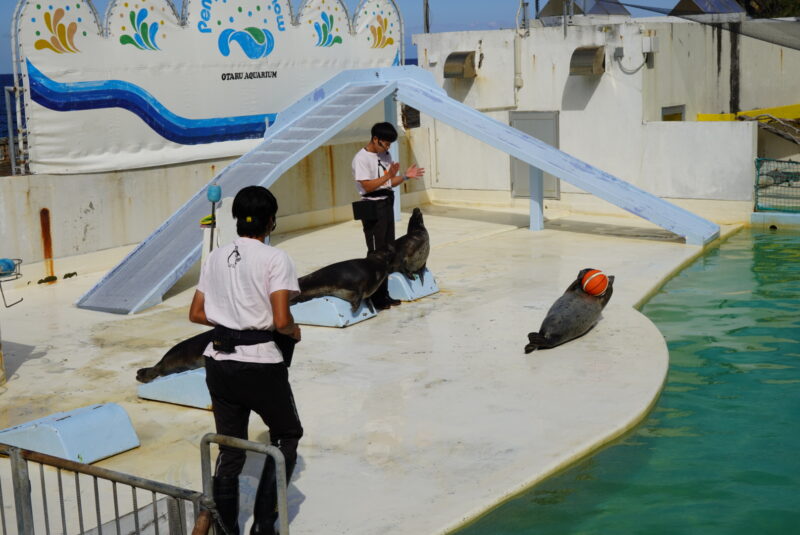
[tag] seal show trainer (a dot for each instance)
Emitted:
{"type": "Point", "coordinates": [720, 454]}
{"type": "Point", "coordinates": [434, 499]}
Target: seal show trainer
{"type": "Point", "coordinates": [376, 174]}
{"type": "Point", "coordinates": [244, 293]}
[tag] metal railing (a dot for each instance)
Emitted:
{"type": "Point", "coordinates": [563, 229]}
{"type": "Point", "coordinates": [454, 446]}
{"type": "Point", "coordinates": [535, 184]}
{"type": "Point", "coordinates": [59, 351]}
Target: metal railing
{"type": "Point", "coordinates": [147, 507]}
{"type": "Point", "coordinates": [15, 132]}
{"type": "Point", "coordinates": [51, 503]}
{"type": "Point", "coordinates": [272, 451]}
{"type": "Point", "coordinates": [777, 187]}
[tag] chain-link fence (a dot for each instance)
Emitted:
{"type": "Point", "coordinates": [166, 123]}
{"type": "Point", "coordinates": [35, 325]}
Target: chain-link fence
{"type": "Point", "coordinates": [777, 185]}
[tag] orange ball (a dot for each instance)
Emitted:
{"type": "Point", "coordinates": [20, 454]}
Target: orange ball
{"type": "Point", "coordinates": [594, 282]}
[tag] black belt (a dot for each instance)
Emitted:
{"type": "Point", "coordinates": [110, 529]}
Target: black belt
{"type": "Point", "coordinates": [225, 340]}
{"type": "Point", "coordinates": [382, 192]}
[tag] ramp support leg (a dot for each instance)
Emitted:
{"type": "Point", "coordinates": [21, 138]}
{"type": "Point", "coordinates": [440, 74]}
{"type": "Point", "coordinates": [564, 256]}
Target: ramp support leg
{"type": "Point", "coordinates": [537, 198]}
{"type": "Point", "coordinates": [390, 116]}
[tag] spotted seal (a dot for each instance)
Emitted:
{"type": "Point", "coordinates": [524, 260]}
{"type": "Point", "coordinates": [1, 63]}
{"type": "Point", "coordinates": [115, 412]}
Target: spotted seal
{"type": "Point", "coordinates": [183, 356]}
{"type": "Point", "coordinates": [352, 280]}
{"type": "Point", "coordinates": [571, 316]}
{"type": "Point", "coordinates": [412, 250]}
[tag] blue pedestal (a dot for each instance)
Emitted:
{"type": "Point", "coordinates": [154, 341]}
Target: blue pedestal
{"type": "Point", "coordinates": [405, 290]}
{"type": "Point", "coordinates": [82, 435]}
{"type": "Point", "coordinates": [330, 311]}
{"type": "Point", "coordinates": [185, 388]}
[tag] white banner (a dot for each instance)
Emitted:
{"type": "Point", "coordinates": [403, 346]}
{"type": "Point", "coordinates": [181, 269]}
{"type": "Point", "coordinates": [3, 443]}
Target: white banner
{"type": "Point", "coordinates": [147, 88]}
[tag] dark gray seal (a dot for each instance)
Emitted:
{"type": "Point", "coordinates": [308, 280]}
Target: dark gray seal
{"type": "Point", "coordinates": [412, 250]}
{"type": "Point", "coordinates": [352, 280]}
{"type": "Point", "coordinates": [571, 316]}
{"type": "Point", "coordinates": [184, 356]}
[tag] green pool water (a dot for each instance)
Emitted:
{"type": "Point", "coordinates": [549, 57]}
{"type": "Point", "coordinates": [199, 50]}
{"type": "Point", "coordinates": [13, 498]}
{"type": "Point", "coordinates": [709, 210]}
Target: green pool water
{"type": "Point", "coordinates": [720, 453]}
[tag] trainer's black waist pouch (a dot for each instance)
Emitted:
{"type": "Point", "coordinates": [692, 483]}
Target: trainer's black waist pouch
{"type": "Point", "coordinates": [367, 209]}
{"type": "Point", "coordinates": [225, 341]}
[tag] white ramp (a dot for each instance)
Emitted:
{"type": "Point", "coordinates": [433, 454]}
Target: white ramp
{"type": "Point", "coordinates": [142, 278]}
{"type": "Point", "coordinates": [435, 103]}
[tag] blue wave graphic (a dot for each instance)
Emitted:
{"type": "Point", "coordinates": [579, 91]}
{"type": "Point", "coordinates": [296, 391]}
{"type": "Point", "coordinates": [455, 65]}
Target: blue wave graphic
{"type": "Point", "coordinates": [255, 42]}
{"type": "Point", "coordinates": [118, 94]}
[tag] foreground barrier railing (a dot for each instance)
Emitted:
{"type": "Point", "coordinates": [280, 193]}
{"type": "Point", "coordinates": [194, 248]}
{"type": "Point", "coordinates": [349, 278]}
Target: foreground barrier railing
{"type": "Point", "coordinates": [56, 499]}
{"type": "Point", "coordinates": [272, 451]}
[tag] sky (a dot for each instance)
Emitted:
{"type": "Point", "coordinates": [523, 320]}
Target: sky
{"type": "Point", "coordinates": [445, 16]}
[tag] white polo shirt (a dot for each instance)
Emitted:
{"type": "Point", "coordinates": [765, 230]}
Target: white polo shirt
{"type": "Point", "coordinates": [369, 166]}
{"type": "Point", "coordinates": [236, 280]}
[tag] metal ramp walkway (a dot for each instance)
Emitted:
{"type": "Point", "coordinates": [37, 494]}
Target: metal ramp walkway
{"type": "Point", "coordinates": [151, 269]}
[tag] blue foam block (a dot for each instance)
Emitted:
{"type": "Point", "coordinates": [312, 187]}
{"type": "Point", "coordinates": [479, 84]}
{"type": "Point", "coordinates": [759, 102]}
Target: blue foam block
{"type": "Point", "coordinates": [185, 388]}
{"type": "Point", "coordinates": [330, 311]}
{"type": "Point", "coordinates": [82, 435]}
{"type": "Point", "coordinates": [405, 290]}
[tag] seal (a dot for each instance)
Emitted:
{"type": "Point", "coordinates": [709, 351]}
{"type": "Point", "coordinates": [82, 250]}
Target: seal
{"type": "Point", "coordinates": [571, 316]}
{"type": "Point", "coordinates": [352, 280]}
{"type": "Point", "coordinates": [412, 250]}
{"type": "Point", "coordinates": [183, 356]}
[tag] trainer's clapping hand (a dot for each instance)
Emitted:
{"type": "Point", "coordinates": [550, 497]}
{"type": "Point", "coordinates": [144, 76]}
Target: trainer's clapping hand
{"type": "Point", "coordinates": [415, 172]}
{"type": "Point", "coordinates": [392, 171]}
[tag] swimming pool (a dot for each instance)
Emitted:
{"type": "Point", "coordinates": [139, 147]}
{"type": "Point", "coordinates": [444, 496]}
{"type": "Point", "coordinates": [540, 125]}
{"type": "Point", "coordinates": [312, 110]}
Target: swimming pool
{"type": "Point", "coordinates": [720, 453]}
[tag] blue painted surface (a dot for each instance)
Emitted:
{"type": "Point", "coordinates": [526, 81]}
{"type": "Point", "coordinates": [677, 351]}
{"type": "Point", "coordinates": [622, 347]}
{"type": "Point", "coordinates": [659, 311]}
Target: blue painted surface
{"type": "Point", "coordinates": [330, 312]}
{"type": "Point", "coordinates": [118, 94]}
{"type": "Point", "coordinates": [83, 435]}
{"type": "Point", "coordinates": [406, 290]}
{"type": "Point", "coordinates": [766, 219]}
{"type": "Point", "coordinates": [185, 388]}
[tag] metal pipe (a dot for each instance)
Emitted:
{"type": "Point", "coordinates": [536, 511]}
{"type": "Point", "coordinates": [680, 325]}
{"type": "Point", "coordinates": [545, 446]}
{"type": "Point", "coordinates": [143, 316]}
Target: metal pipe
{"type": "Point", "coordinates": [135, 509]}
{"type": "Point", "coordinates": [116, 505]}
{"type": "Point", "coordinates": [272, 451]}
{"type": "Point", "coordinates": [44, 499]}
{"type": "Point", "coordinates": [2, 510]}
{"type": "Point", "coordinates": [61, 503]}
{"type": "Point", "coordinates": [22, 491]}
{"type": "Point", "coordinates": [390, 116]}
{"type": "Point", "coordinates": [78, 501]}
{"type": "Point", "coordinates": [12, 150]}
{"type": "Point", "coordinates": [104, 473]}
{"type": "Point", "coordinates": [97, 505]}
{"type": "Point", "coordinates": [155, 512]}
{"type": "Point", "coordinates": [426, 17]}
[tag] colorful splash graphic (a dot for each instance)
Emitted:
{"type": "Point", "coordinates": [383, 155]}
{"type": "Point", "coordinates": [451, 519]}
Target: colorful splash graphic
{"type": "Point", "coordinates": [380, 34]}
{"type": "Point", "coordinates": [62, 40]}
{"type": "Point", "coordinates": [255, 42]}
{"type": "Point", "coordinates": [144, 37]}
{"type": "Point", "coordinates": [325, 31]}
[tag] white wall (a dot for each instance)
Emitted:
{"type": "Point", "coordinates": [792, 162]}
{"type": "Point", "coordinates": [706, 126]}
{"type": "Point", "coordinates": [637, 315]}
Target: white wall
{"type": "Point", "coordinates": [603, 120]}
{"type": "Point", "coordinates": [93, 212]}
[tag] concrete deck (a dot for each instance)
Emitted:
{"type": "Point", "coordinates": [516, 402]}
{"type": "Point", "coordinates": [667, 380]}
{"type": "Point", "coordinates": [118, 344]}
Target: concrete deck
{"type": "Point", "coordinates": [417, 420]}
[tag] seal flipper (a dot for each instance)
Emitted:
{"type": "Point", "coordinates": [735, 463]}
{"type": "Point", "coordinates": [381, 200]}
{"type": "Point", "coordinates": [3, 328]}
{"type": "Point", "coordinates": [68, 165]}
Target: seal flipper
{"type": "Point", "coordinates": [536, 341]}
{"type": "Point", "coordinates": [145, 375]}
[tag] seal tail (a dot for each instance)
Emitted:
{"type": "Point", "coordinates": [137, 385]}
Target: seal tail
{"type": "Point", "coordinates": [536, 341]}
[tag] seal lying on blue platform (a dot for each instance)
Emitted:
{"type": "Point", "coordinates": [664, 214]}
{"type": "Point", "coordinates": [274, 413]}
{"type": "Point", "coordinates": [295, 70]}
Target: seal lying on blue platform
{"type": "Point", "coordinates": [351, 280]}
{"type": "Point", "coordinates": [571, 316]}
{"type": "Point", "coordinates": [412, 250]}
{"type": "Point", "coordinates": [183, 356]}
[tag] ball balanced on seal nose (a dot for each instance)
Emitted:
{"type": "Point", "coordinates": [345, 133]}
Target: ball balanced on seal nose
{"type": "Point", "coordinates": [575, 312]}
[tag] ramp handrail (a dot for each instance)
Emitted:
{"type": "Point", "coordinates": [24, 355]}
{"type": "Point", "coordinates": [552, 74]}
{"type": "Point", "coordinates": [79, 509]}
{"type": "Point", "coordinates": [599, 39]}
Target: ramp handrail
{"type": "Point", "coordinates": [23, 496]}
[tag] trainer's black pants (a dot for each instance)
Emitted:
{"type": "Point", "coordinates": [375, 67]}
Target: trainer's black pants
{"type": "Point", "coordinates": [379, 233]}
{"type": "Point", "coordinates": [240, 387]}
